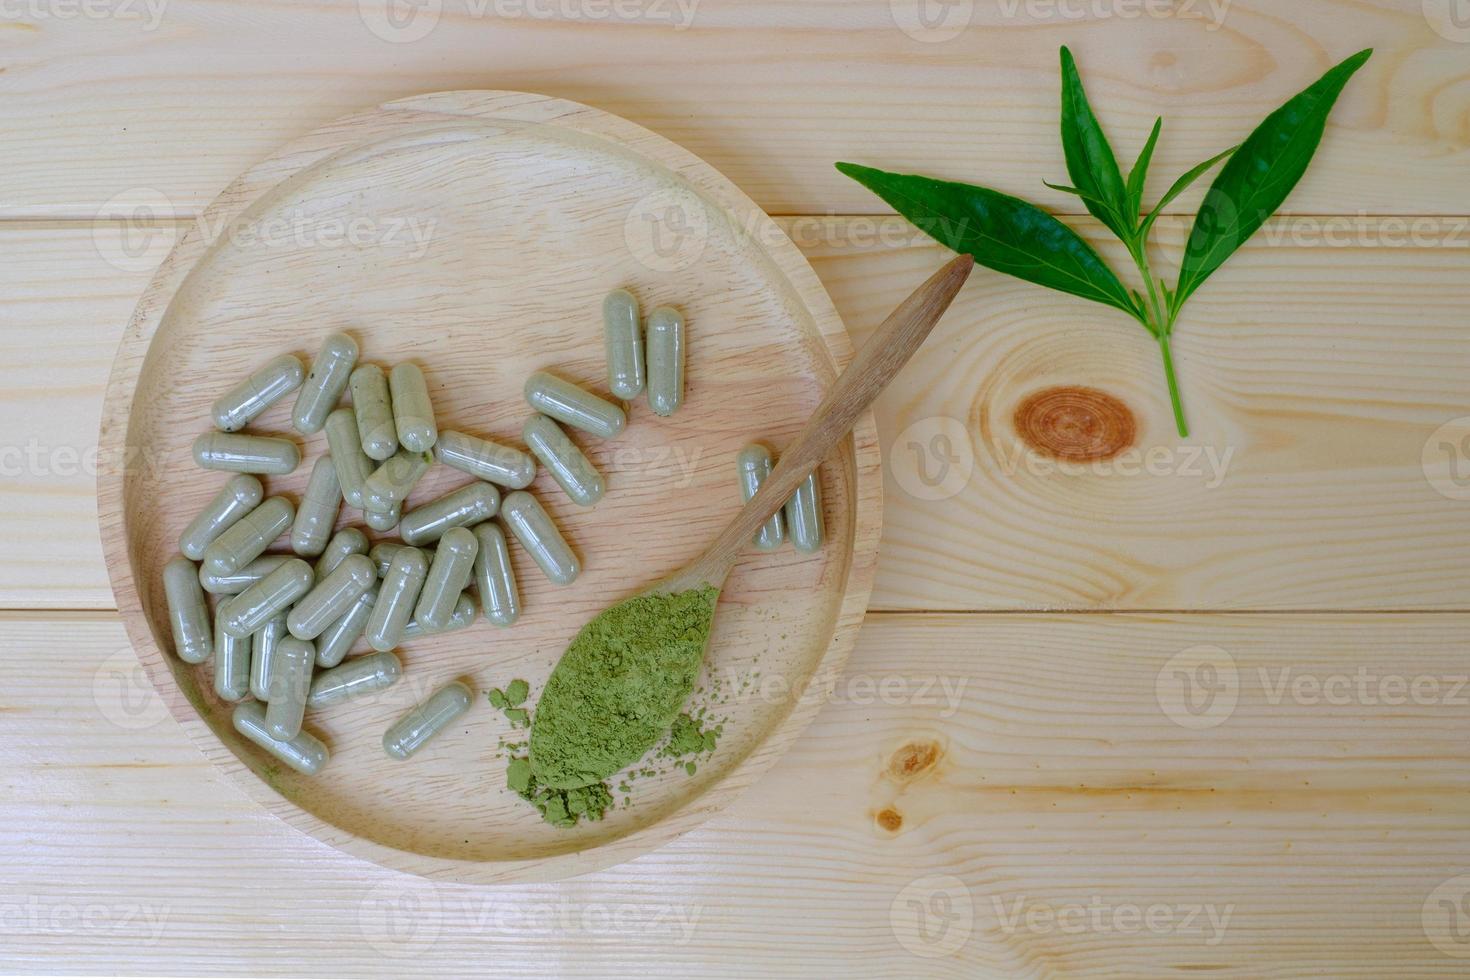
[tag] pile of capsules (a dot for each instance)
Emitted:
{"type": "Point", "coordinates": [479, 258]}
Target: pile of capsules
{"type": "Point", "coordinates": [282, 628]}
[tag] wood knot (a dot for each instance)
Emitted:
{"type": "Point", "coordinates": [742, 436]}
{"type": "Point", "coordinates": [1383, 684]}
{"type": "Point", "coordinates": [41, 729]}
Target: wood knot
{"type": "Point", "coordinates": [889, 819]}
{"type": "Point", "coordinates": [913, 759]}
{"type": "Point", "coordinates": [1075, 423]}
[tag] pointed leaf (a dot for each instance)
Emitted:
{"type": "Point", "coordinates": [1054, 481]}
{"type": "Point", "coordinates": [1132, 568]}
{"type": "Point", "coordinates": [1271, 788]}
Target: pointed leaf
{"type": "Point", "coordinates": [1260, 175]}
{"type": "Point", "coordinates": [1181, 185]}
{"type": "Point", "coordinates": [1090, 160]}
{"type": "Point", "coordinates": [1139, 173]}
{"type": "Point", "coordinates": [1003, 233]}
{"type": "Point", "coordinates": [1072, 190]}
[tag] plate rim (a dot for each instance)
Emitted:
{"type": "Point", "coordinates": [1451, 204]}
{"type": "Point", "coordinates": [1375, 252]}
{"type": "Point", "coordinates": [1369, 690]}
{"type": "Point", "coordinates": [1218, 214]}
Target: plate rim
{"type": "Point", "coordinates": [357, 129]}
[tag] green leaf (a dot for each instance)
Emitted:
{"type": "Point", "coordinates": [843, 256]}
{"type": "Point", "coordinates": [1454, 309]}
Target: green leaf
{"type": "Point", "coordinates": [1180, 186]}
{"type": "Point", "coordinates": [1090, 161]}
{"type": "Point", "coordinates": [1139, 173]}
{"type": "Point", "coordinates": [1065, 189]}
{"type": "Point", "coordinates": [1003, 233]}
{"type": "Point", "coordinates": [1260, 175]}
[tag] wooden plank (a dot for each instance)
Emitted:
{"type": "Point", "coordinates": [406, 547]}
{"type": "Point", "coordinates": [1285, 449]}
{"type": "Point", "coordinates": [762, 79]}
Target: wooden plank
{"type": "Point", "coordinates": [160, 104]}
{"type": "Point", "coordinates": [1316, 375]}
{"type": "Point", "coordinates": [1031, 759]}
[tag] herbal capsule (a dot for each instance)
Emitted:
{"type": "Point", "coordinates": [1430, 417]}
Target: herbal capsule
{"type": "Point", "coordinates": [233, 583]}
{"type": "Point", "coordinates": [289, 688]}
{"type": "Point", "coordinates": [396, 598]}
{"type": "Point", "coordinates": [239, 496]}
{"type": "Point", "coordinates": [353, 465]}
{"type": "Point", "coordinates": [494, 577]}
{"type": "Point", "coordinates": [666, 356]}
{"type": "Point", "coordinates": [332, 597]}
{"type": "Point", "coordinates": [424, 721]}
{"type": "Point", "coordinates": [623, 335]}
{"type": "Point", "coordinates": [364, 675]}
{"type": "Point", "coordinates": [575, 406]}
{"type": "Point", "coordinates": [374, 412]}
{"type": "Point", "coordinates": [485, 459]}
{"type": "Point", "coordinates": [384, 522]}
{"type": "Point", "coordinates": [391, 483]}
{"type": "Point", "coordinates": [274, 594]}
{"type": "Point", "coordinates": [247, 539]}
{"type": "Point", "coordinates": [572, 471]}
{"type": "Point", "coordinates": [231, 665]}
{"type": "Point", "coordinates": [329, 375]}
{"type": "Point", "coordinates": [317, 514]}
{"type": "Point", "coordinates": [460, 508]}
{"type": "Point", "coordinates": [537, 533]}
{"type": "Point", "coordinates": [263, 646]}
{"type": "Point", "coordinates": [463, 618]}
{"type": "Point", "coordinates": [383, 552]}
{"type": "Point", "coordinates": [348, 541]}
{"type": "Point", "coordinates": [270, 383]}
{"type": "Point", "coordinates": [305, 753]}
{"type": "Point", "coordinates": [454, 563]}
{"type": "Point", "coordinates": [234, 452]}
{"type": "Point", "coordinates": [413, 413]}
{"type": "Point", "coordinates": [188, 613]}
{"type": "Point", "coordinates": [804, 516]}
{"type": "Point", "coordinates": [754, 464]}
{"type": "Point", "coordinates": [337, 641]}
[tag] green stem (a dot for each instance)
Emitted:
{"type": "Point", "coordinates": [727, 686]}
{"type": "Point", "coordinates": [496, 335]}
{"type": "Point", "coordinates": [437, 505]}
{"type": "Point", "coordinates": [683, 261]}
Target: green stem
{"type": "Point", "coordinates": [1179, 422]}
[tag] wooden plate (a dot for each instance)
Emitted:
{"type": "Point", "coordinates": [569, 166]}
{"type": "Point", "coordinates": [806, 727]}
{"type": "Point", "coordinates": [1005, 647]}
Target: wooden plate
{"type": "Point", "coordinates": [476, 234]}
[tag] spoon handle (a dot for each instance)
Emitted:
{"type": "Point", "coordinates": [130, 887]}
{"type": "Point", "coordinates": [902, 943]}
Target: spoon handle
{"type": "Point", "coordinates": [874, 366]}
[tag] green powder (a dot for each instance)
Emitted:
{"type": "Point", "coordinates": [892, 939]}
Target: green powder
{"type": "Point", "coordinates": [618, 689]}
{"type": "Point", "coordinates": [559, 807]}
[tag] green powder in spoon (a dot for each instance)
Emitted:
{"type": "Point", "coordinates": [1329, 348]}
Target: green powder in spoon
{"type": "Point", "coordinates": [619, 687]}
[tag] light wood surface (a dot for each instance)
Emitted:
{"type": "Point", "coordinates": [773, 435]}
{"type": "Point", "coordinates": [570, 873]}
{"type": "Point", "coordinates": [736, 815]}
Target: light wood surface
{"type": "Point", "coordinates": [1328, 357]}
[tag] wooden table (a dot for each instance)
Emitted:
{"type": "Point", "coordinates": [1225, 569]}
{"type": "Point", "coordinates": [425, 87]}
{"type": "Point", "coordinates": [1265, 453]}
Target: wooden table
{"type": "Point", "coordinates": [1202, 709]}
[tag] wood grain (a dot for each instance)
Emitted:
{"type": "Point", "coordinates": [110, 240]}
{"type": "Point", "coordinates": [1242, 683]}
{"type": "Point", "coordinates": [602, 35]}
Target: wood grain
{"type": "Point", "coordinates": [121, 113]}
{"type": "Point", "coordinates": [1323, 370]}
{"type": "Point", "coordinates": [1027, 756]}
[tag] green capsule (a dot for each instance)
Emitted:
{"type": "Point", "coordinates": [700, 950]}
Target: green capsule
{"type": "Point", "coordinates": [454, 563]}
{"type": "Point", "coordinates": [494, 577]}
{"type": "Point", "coordinates": [804, 516]}
{"type": "Point", "coordinates": [623, 335]}
{"type": "Point", "coordinates": [331, 598]}
{"type": "Point", "coordinates": [391, 483]}
{"type": "Point", "coordinates": [460, 508]}
{"type": "Point", "coordinates": [572, 471]}
{"type": "Point", "coordinates": [353, 465]}
{"type": "Point", "coordinates": [263, 601]}
{"type": "Point", "coordinates": [188, 613]}
{"type": "Point", "coordinates": [239, 496]}
{"type": "Point", "coordinates": [383, 552]}
{"type": "Point", "coordinates": [413, 412]}
{"type": "Point", "coordinates": [424, 721]}
{"type": "Point", "coordinates": [317, 514]}
{"type": "Point", "coordinates": [234, 452]}
{"type": "Point", "coordinates": [305, 753]}
{"type": "Point", "coordinates": [329, 375]}
{"type": "Point", "coordinates": [270, 383]}
{"type": "Point", "coordinates": [348, 541]}
{"type": "Point", "coordinates": [396, 598]}
{"type": "Point", "coordinates": [485, 459]}
{"type": "Point", "coordinates": [233, 583]}
{"type": "Point", "coordinates": [666, 356]}
{"type": "Point", "coordinates": [357, 677]}
{"type": "Point", "coordinates": [337, 641]}
{"type": "Point", "coordinates": [463, 618]}
{"type": "Point", "coordinates": [374, 412]}
{"type": "Point", "coordinates": [264, 643]}
{"type": "Point", "coordinates": [385, 522]}
{"type": "Point", "coordinates": [574, 406]}
{"type": "Point", "coordinates": [289, 688]}
{"type": "Point", "coordinates": [248, 538]}
{"type": "Point", "coordinates": [231, 665]}
{"type": "Point", "coordinates": [754, 465]}
{"type": "Point", "coordinates": [537, 533]}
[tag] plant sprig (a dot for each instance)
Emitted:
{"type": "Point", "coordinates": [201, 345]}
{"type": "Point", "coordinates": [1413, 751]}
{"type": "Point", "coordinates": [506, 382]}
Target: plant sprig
{"type": "Point", "coordinates": [1014, 236]}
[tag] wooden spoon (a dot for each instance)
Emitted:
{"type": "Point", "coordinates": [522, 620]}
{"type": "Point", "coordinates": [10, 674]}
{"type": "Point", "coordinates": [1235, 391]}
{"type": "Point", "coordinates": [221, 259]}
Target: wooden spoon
{"type": "Point", "coordinates": [568, 724]}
